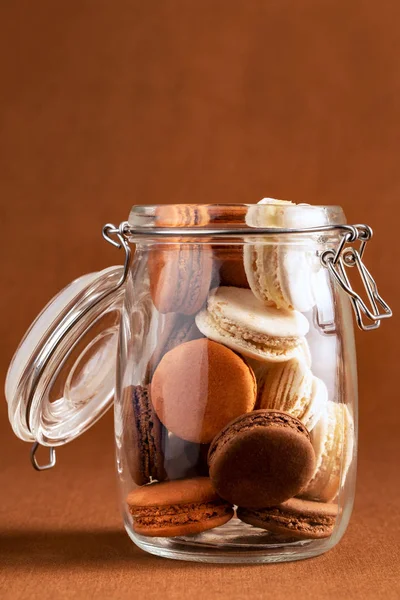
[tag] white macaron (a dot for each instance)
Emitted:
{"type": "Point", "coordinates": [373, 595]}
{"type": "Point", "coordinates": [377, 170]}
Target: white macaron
{"type": "Point", "coordinates": [236, 318]}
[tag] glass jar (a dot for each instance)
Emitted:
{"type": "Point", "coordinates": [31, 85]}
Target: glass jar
{"type": "Point", "coordinates": [234, 388]}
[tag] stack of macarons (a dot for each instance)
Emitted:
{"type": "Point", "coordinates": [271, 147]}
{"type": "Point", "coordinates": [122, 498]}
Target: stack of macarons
{"type": "Point", "coordinates": [232, 419]}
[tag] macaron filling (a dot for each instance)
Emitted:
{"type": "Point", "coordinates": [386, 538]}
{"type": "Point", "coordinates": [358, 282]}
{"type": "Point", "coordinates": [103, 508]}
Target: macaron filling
{"type": "Point", "coordinates": [179, 514]}
{"type": "Point", "coordinates": [256, 340]}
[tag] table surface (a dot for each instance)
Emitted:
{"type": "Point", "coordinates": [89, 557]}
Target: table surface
{"type": "Point", "coordinates": [62, 537]}
{"type": "Point", "coordinates": [108, 103]}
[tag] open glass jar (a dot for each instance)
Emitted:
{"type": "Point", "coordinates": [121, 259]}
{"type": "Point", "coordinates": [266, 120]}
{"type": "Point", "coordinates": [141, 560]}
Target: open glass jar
{"type": "Point", "coordinates": [227, 346]}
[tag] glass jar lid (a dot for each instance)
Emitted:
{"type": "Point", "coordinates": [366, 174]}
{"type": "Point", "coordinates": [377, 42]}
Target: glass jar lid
{"type": "Point", "coordinates": [61, 379]}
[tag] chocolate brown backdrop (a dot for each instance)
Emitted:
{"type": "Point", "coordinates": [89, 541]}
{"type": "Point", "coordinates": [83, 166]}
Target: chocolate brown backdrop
{"type": "Point", "coordinates": [106, 104]}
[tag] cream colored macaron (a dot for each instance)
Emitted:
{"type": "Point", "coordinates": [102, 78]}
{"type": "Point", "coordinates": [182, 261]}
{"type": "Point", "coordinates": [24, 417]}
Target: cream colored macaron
{"type": "Point", "coordinates": [284, 273]}
{"type": "Point", "coordinates": [234, 317]}
{"type": "Point", "coordinates": [273, 216]}
{"type": "Point", "coordinates": [333, 442]}
{"type": "Point", "coordinates": [292, 388]}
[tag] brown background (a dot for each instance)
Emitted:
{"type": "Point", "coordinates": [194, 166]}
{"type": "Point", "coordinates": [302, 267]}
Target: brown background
{"type": "Point", "coordinates": [106, 104]}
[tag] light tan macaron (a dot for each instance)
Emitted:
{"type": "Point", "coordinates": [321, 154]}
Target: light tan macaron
{"type": "Point", "coordinates": [333, 442]}
{"type": "Point", "coordinates": [199, 387]}
{"type": "Point", "coordinates": [292, 388]}
{"type": "Point", "coordinates": [234, 317]}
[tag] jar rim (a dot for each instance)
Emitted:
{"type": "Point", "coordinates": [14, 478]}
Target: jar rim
{"type": "Point", "coordinates": [230, 216]}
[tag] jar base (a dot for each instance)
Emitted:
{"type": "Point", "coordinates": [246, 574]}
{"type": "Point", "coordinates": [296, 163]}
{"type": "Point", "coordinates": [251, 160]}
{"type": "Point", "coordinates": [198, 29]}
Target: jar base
{"type": "Point", "coordinates": [232, 543]}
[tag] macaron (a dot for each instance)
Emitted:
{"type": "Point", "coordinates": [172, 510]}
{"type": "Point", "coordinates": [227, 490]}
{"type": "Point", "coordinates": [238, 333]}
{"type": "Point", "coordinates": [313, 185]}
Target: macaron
{"type": "Point", "coordinates": [236, 318]}
{"type": "Point", "coordinates": [298, 519]}
{"type": "Point", "coordinates": [273, 216]}
{"type": "Point", "coordinates": [199, 387]}
{"type": "Point", "coordinates": [182, 215]}
{"type": "Point", "coordinates": [291, 387]}
{"type": "Point", "coordinates": [281, 274]}
{"type": "Point", "coordinates": [175, 508]}
{"type": "Point", "coordinates": [180, 276]}
{"type": "Point", "coordinates": [284, 273]}
{"type": "Point", "coordinates": [261, 459]}
{"type": "Point", "coordinates": [144, 436]}
{"type": "Point", "coordinates": [333, 443]}
{"type": "Point", "coordinates": [174, 329]}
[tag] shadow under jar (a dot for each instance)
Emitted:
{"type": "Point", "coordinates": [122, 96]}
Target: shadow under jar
{"type": "Point", "coordinates": [235, 390]}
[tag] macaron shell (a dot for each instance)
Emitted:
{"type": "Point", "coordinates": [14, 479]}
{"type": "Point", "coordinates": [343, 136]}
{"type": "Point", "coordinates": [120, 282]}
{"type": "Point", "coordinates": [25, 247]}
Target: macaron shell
{"type": "Point", "coordinates": [143, 434]}
{"type": "Point", "coordinates": [180, 277]}
{"type": "Point", "coordinates": [182, 491]}
{"type": "Point", "coordinates": [340, 462]}
{"type": "Point", "coordinates": [304, 352]}
{"type": "Point", "coordinates": [199, 387]}
{"type": "Point", "coordinates": [288, 388]}
{"type": "Point", "coordinates": [261, 459]}
{"type": "Point", "coordinates": [260, 265]}
{"type": "Point", "coordinates": [272, 217]}
{"type": "Point", "coordinates": [282, 274]}
{"type": "Point", "coordinates": [296, 266]}
{"type": "Point", "coordinates": [317, 404]}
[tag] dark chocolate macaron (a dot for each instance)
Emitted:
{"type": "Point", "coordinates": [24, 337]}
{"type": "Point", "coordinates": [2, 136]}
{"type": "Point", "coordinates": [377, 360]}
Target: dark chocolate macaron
{"type": "Point", "coordinates": [182, 507]}
{"type": "Point", "coordinates": [261, 459]}
{"type": "Point", "coordinates": [143, 437]}
{"type": "Point", "coordinates": [298, 519]}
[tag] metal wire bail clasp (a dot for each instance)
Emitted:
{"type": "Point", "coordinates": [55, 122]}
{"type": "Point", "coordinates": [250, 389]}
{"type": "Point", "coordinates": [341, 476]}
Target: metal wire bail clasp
{"type": "Point", "coordinates": [121, 234]}
{"type": "Point", "coordinates": [348, 257]}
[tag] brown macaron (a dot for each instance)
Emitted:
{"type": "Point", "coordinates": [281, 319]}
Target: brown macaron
{"type": "Point", "coordinates": [298, 519]}
{"type": "Point", "coordinates": [261, 459]}
{"type": "Point", "coordinates": [199, 387]}
{"type": "Point", "coordinates": [180, 274]}
{"type": "Point", "coordinates": [143, 436]}
{"type": "Point", "coordinates": [180, 277]}
{"type": "Point", "coordinates": [182, 507]}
